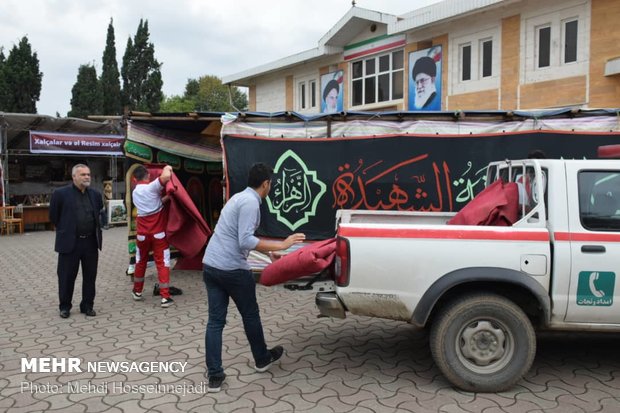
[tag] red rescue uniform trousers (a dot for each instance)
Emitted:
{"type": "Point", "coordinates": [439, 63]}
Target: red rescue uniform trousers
{"type": "Point", "coordinates": [161, 255]}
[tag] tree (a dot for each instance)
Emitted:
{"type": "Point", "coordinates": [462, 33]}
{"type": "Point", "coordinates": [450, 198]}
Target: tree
{"type": "Point", "coordinates": [3, 88]}
{"type": "Point", "coordinates": [20, 79]}
{"type": "Point", "coordinates": [86, 93]}
{"type": "Point", "coordinates": [207, 94]}
{"type": "Point", "coordinates": [176, 104]}
{"type": "Point", "coordinates": [141, 73]}
{"type": "Point", "coordinates": [109, 81]}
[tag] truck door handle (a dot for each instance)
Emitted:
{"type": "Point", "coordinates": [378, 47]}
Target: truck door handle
{"type": "Point", "coordinates": [592, 248]}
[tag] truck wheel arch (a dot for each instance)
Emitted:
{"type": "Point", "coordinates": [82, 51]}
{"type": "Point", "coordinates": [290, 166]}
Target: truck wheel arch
{"type": "Point", "coordinates": [476, 275]}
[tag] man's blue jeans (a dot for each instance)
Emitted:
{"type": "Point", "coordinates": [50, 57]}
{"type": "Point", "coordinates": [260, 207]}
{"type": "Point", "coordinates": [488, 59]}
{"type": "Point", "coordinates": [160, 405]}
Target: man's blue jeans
{"type": "Point", "coordinates": [241, 287]}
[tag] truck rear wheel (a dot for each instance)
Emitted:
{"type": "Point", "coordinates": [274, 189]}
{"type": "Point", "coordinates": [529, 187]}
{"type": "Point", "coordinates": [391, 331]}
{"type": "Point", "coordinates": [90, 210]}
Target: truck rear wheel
{"type": "Point", "coordinates": [483, 343]}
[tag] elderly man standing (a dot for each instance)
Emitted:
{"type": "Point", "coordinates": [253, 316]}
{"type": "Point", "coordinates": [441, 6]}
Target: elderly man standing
{"type": "Point", "coordinates": [74, 210]}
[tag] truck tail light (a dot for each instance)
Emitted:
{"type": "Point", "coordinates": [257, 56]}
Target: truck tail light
{"type": "Point", "coordinates": [342, 262]}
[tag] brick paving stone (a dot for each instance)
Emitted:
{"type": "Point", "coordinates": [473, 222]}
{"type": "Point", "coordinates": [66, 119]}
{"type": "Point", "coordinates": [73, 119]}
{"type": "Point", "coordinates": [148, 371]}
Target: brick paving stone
{"type": "Point", "coordinates": [415, 407]}
{"type": "Point", "coordinates": [478, 404]}
{"type": "Point", "coordinates": [357, 397]}
{"type": "Point", "coordinates": [452, 408]}
{"type": "Point", "coordinates": [280, 406]}
{"type": "Point", "coordinates": [358, 364]}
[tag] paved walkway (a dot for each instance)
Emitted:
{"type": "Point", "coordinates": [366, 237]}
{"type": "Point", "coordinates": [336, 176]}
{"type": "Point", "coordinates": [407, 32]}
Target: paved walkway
{"type": "Point", "coordinates": [354, 365]}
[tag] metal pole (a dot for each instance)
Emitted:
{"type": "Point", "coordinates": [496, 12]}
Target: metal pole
{"type": "Point", "coordinates": [4, 150]}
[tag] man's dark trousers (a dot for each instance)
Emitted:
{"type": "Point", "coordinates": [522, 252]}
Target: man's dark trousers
{"type": "Point", "coordinates": [86, 254]}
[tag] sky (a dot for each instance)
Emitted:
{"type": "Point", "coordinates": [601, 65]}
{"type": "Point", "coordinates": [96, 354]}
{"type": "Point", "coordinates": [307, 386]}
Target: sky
{"type": "Point", "coordinates": [192, 38]}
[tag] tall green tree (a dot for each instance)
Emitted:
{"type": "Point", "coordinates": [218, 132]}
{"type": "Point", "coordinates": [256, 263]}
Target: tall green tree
{"type": "Point", "coordinates": [20, 79]}
{"type": "Point", "coordinates": [3, 88]}
{"type": "Point", "coordinates": [86, 93]}
{"type": "Point", "coordinates": [110, 77]}
{"type": "Point", "coordinates": [207, 94]}
{"type": "Point", "coordinates": [142, 82]}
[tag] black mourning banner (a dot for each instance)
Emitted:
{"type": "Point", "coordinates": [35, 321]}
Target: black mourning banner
{"type": "Point", "coordinates": [315, 177]}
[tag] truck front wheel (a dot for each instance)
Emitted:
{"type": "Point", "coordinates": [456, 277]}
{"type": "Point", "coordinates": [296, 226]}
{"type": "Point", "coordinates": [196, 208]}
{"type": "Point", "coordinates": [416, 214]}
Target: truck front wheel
{"type": "Point", "coordinates": [483, 343]}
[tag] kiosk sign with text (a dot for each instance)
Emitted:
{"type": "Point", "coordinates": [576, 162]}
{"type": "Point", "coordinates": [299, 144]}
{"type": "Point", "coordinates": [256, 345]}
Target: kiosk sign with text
{"type": "Point", "coordinates": [63, 143]}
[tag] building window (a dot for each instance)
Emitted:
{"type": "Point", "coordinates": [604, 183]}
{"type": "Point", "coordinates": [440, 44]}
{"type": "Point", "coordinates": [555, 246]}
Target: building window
{"type": "Point", "coordinates": [306, 99]}
{"type": "Point", "coordinates": [544, 46]}
{"type": "Point", "coordinates": [313, 94]}
{"type": "Point", "coordinates": [570, 41]}
{"type": "Point", "coordinates": [466, 62]}
{"type": "Point", "coordinates": [377, 79]}
{"type": "Point", "coordinates": [555, 42]}
{"type": "Point", "coordinates": [302, 95]}
{"type": "Point", "coordinates": [486, 51]}
{"type": "Point", "coordinates": [474, 60]}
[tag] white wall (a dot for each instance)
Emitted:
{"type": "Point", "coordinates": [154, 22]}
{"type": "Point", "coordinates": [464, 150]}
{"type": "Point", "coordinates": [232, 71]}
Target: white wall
{"type": "Point", "coordinates": [271, 94]}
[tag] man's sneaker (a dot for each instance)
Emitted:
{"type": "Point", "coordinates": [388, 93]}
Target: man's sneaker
{"type": "Point", "coordinates": [166, 302]}
{"type": "Point", "coordinates": [137, 296]}
{"type": "Point", "coordinates": [276, 354]}
{"type": "Point", "coordinates": [171, 289]}
{"type": "Point", "coordinates": [215, 383]}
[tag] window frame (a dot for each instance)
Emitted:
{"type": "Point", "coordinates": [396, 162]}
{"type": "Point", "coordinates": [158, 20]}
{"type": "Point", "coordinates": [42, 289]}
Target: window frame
{"type": "Point", "coordinates": [375, 77]}
{"type": "Point", "coordinates": [475, 41]}
{"type": "Point", "coordinates": [564, 23]}
{"type": "Point", "coordinates": [462, 48]}
{"type": "Point", "coordinates": [587, 197]}
{"type": "Point", "coordinates": [538, 52]}
{"type": "Point", "coordinates": [556, 18]}
{"type": "Point", "coordinates": [481, 55]}
{"type": "Point", "coordinates": [306, 83]}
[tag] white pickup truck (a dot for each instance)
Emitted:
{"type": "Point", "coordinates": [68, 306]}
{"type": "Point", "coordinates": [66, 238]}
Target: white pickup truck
{"type": "Point", "coordinates": [483, 291]}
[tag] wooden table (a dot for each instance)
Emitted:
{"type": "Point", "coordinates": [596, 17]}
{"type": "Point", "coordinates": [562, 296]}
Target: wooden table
{"type": "Point", "coordinates": [36, 214]}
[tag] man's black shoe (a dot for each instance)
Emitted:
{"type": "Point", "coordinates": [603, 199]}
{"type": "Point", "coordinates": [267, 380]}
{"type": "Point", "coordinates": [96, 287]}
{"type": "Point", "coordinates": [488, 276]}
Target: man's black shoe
{"type": "Point", "coordinates": [172, 290]}
{"type": "Point", "coordinates": [64, 313]}
{"type": "Point", "coordinates": [89, 312]}
{"type": "Point", "coordinates": [276, 354]}
{"type": "Point", "coordinates": [215, 383]}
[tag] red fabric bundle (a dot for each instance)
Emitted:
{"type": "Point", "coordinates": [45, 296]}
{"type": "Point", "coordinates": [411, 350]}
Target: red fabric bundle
{"type": "Point", "coordinates": [186, 228]}
{"type": "Point", "coordinates": [308, 260]}
{"type": "Point", "coordinates": [497, 205]}
{"type": "Point", "coordinates": [609, 151]}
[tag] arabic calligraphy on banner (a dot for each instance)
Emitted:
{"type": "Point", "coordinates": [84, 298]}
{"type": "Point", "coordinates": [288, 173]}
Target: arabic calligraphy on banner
{"type": "Point", "coordinates": [313, 178]}
{"type": "Point", "coordinates": [295, 191]}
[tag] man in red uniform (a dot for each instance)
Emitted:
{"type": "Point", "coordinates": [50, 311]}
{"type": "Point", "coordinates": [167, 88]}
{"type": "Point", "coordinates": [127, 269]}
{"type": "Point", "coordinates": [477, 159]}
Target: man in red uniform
{"type": "Point", "coordinates": [151, 232]}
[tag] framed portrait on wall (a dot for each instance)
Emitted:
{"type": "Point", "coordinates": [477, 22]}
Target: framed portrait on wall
{"type": "Point", "coordinates": [331, 92]}
{"type": "Point", "coordinates": [117, 213]}
{"type": "Point", "coordinates": [425, 79]}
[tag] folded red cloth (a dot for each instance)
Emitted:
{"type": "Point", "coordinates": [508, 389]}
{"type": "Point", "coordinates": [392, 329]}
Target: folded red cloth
{"type": "Point", "coordinates": [496, 205]}
{"type": "Point", "coordinates": [308, 260]}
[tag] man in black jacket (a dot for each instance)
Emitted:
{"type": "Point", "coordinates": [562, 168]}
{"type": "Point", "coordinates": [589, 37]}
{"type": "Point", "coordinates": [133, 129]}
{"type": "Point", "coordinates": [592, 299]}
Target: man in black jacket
{"type": "Point", "coordinates": [74, 210]}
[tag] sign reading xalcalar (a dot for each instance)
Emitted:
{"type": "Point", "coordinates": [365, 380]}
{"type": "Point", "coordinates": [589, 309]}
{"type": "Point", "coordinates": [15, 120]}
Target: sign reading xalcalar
{"type": "Point", "coordinates": [63, 143]}
{"type": "Point", "coordinates": [313, 178]}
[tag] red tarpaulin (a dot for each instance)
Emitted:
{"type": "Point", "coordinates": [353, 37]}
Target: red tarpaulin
{"type": "Point", "coordinates": [187, 231]}
{"type": "Point", "coordinates": [496, 205]}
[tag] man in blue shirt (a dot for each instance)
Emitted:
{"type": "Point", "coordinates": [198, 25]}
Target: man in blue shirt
{"type": "Point", "coordinates": [227, 274]}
